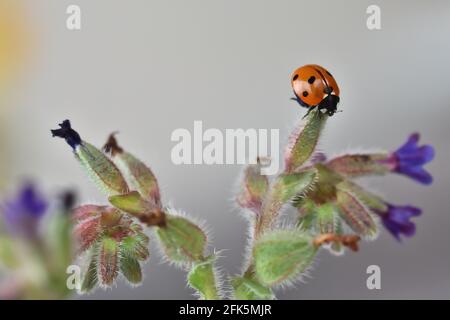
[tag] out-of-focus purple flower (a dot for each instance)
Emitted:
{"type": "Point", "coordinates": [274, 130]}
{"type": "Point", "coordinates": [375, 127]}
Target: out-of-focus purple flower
{"type": "Point", "coordinates": [410, 158]}
{"type": "Point", "coordinates": [397, 219]}
{"type": "Point", "coordinates": [22, 214]}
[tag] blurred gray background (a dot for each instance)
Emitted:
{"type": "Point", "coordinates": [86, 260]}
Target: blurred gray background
{"type": "Point", "coordinates": [146, 68]}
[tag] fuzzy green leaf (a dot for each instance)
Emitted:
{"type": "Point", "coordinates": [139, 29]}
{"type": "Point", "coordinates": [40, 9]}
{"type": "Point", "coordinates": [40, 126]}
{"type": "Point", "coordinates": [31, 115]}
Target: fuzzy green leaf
{"type": "Point", "coordinates": [303, 141]}
{"type": "Point", "coordinates": [307, 215]}
{"type": "Point", "coordinates": [86, 233]}
{"type": "Point", "coordinates": [253, 189]}
{"type": "Point", "coordinates": [108, 261]}
{"type": "Point", "coordinates": [369, 199]}
{"type": "Point", "coordinates": [287, 186]}
{"type": "Point", "coordinates": [134, 204]}
{"type": "Point", "coordinates": [203, 279]}
{"type": "Point", "coordinates": [101, 169]}
{"type": "Point", "coordinates": [325, 185]}
{"type": "Point", "coordinates": [135, 246]}
{"type": "Point", "coordinates": [131, 202]}
{"type": "Point", "coordinates": [182, 240]}
{"type": "Point", "coordinates": [90, 277]}
{"type": "Point", "coordinates": [325, 219]}
{"type": "Point", "coordinates": [139, 176]}
{"type": "Point", "coordinates": [282, 255]}
{"type": "Point", "coordinates": [112, 217]}
{"type": "Point", "coordinates": [357, 216]}
{"type": "Point", "coordinates": [250, 289]}
{"type": "Point", "coordinates": [131, 269]}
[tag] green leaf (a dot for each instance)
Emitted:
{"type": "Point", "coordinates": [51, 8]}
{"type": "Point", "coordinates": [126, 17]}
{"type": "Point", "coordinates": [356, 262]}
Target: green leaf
{"type": "Point", "coordinates": [250, 289]}
{"type": "Point", "coordinates": [86, 233]}
{"type": "Point", "coordinates": [101, 170]}
{"type": "Point", "coordinates": [288, 186]}
{"type": "Point", "coordinates": [325, 219]}
{"type": "Point", "coordinates": [202, 278]}
{"type": "Point", "coordinates": [139, 176]}
{"type": "Point", "coordinates": [369, 199]}
{"type": "Point", "coordinates": [131, 269]}
{"type": "Point", "coordinates": [135, 246]}
{"type": "Point", "coordinates": [356, 215]}
{"type": "Point", "coordinates": [325, 186]}
{"type": "Point", "coordinates": [304, 140]}
{"type": "Point", "coordinates": [254, 188]}
{"type": "Point", "coordinates": [112, 217]}
{"type": "Point", "coordinates": [131, 202]}
{"type": "Point", "coordinates": [134, 204]}
{"type": "Point", "coordinates": [307, 215]}
{"type": "Point", "coordinates": [90, 278]}
{"type": "Point", "coordinates": [280, 256]}
{"type": "Point", "coordinates": [182, 240]}
{"type": "Point", "coordinates": [108, 261]}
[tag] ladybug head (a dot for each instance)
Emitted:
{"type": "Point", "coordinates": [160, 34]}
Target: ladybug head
{"type": "Point", "coordinates": [329, 104]}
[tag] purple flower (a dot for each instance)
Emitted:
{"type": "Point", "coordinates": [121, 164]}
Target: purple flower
{"type": "Point", "coordinates": [397, 219]}
{"type": "Point", "coordinates": [23, 213]}
{"type": "Point", "coordinates": [409, 159]}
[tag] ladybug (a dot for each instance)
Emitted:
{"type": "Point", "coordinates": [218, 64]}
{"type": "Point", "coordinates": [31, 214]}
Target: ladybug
{"type": "Point", "coordinates": [315, 87]}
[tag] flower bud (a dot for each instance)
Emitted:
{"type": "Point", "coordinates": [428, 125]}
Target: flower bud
{"type": "Point", "coordinates": [99, 168]}
{"type": "Point", "coordinates": [357, 216]}
{"type": "Point", "coordinates": [254, 188]}
{"type": "Point", "coordinates": [138, 175]}
{"type": "Point", "coordinates": [303, 141]}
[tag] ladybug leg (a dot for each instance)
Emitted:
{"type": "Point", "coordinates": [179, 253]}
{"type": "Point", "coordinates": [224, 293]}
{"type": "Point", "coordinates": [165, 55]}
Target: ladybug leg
{"type": "Point", "coordinates": [300, 102]}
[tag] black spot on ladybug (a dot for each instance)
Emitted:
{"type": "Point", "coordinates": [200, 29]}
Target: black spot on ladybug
{"type": "Point", "coordinates": [295, 77]}
{"type": "Point", "coordinates": [305, 94]}
{"type": "Point", "coordinates": [311, 79]}
{"type": "Point", "coordinates": [329, 74]}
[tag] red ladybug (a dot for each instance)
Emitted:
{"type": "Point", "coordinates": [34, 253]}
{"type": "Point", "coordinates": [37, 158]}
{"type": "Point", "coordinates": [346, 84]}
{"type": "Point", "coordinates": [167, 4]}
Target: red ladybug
{"type": "Point", "coordinates": [315, 87]}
